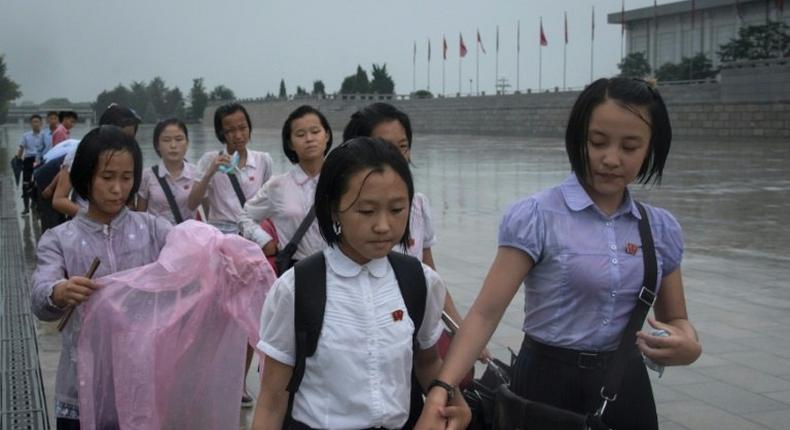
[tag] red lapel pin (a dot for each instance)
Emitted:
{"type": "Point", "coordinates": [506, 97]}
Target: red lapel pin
{"type": "Point", "coordinates": [631, 248]}
{"type": "Point", "coordinates": [397, 315]}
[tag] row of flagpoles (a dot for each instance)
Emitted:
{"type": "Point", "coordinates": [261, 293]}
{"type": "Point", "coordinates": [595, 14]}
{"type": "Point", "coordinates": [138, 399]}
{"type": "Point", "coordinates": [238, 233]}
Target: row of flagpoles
{"type": "Point", "coordinates": [463, 51]}
{"type": "Point", "coordinates": [543, 42]}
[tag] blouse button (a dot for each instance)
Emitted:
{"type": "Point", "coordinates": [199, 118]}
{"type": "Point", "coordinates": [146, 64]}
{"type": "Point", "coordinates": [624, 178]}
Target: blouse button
{"type": "Point", "coordinates": [613, 247]}
{"type": "Point", "coordinates": [614, 293]}
{"type": "Point", "coordinates": [605, 322]}
{"type": "Point", "coordinates": [614, 261]}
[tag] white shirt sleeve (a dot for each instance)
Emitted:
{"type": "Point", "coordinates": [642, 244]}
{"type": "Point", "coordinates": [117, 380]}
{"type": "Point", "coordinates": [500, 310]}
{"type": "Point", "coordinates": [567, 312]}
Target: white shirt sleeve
{"type": "Point", "coordinates": [277, 333]}
{"type": "Point", "coordinates": [203, 164]}
{"type": "Point", "coordinates": [145, 184]}
{"type": "Point", "coordinates": [257, 208]}
{"type": "Point", "coordinates": [267, 169]}
{"type": "Point", "coordinates": [428, 237]}
{"type": "Point", "coordinates": [431, 327]}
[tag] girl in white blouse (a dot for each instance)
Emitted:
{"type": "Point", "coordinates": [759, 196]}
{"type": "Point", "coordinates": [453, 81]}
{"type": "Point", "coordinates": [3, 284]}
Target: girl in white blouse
{"type": "Point", "coordinates": [359, 376]}
{"type": "Point", "coordinates": [286, 199]}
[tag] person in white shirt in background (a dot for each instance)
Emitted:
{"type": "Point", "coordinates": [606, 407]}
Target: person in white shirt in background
{"type": "Point", "coordinates": [221, 201]}
{"type": "Point", "coordinates": [171, 140]}
{"type": "Point", "coordinates": [286, 199]}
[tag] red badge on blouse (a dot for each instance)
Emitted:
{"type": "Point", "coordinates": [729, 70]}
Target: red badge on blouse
{"type": "Point", "coordinates": [252, 178]}
{"type": "Point", "coordinates": [631, 248]}
{"type": "Point", "coordinates": [397, 315]}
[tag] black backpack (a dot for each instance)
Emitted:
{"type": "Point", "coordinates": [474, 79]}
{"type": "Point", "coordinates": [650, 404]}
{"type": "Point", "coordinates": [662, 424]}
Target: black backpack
{"type": "Point", "coordinates": [310, 303]}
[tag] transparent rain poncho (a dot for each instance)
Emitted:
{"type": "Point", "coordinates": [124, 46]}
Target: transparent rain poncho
{"type": "Point", "coordinates": [163, 345]}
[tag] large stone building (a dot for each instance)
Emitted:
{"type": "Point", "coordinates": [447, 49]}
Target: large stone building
{"type": "Point", "coordinates": [667, 33]}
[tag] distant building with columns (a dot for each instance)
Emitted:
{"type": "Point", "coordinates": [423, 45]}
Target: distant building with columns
{"type": "Point", "coordinates": [667, 33]}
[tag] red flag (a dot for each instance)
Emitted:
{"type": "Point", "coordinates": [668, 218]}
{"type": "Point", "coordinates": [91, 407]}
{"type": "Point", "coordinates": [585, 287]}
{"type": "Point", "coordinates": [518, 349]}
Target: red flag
{"type": "Point", "coordinates": [462, 47]}
{"type": "Point", "coordinates": [543, 40]}
{"type": "Point", "coordinates": [622, 17]}
{"type": "Point", "coordinates": [480, 42]}
{"type": "Point", "coordinates": [444, 54]}
{"type": "Point", "coordinates": [566, 28]}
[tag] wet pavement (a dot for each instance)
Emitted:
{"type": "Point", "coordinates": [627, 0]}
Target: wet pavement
{"type": "Point", "coordinates": [732, 200]}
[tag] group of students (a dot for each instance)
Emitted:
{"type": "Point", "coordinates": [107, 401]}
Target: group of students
{"type": "Point", "coordinates": [349, 333]}
{"type": "Point", "coordinates": [34, 146]}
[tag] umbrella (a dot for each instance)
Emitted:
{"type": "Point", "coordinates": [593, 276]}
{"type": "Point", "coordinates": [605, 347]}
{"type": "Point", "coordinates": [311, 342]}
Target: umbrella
{"type": "Point", "coordinates": [16, 166]}
{"type": "Point", "coordinates": [62, 148]}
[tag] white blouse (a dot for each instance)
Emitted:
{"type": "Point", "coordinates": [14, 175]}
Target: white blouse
{"type": "Point", "coordinates": [285, 199]}
{"type": "Point", "coordinates": [420, 227]}
{"type": "Point", "coordinates": [360, 375]}
{"type": "Point", "coordinates": [224, 205]}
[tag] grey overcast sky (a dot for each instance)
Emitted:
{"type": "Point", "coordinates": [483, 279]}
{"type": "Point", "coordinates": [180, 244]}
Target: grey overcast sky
{"type": "Point", "coordinates": [77, 48]}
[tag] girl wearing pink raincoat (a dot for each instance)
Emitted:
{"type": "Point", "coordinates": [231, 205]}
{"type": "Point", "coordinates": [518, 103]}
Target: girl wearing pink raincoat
{"type": "Point", "coordinates": [106, 172]}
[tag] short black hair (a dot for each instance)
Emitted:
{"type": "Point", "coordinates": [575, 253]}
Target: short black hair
{"type": "Point", "coordinates": [67, 114]}
{"type": "Point", "coordinates": [366, 119]}
{"type": "Point", "coordinates": [629, 93]}
{"type": "Point", "coordinates": [160, 127]}
{"type": "Point", "coordinates": [34, 116]}
{"type": "Point", "coordinates": [86, 160]}
{"type": "Point", "coordinates": [345, 161]}
{"type": "Point", "coordinates": [120, 116]}
{"type": "Point", "coordinates": [296, 114]}
{"type": "Point", "coordinates": [52, 113]}
{"type": "Point", "coordinates": [225, 110]}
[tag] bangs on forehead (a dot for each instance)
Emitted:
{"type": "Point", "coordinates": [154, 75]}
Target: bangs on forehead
{"type": "Point", "coordinates": [106, 156]}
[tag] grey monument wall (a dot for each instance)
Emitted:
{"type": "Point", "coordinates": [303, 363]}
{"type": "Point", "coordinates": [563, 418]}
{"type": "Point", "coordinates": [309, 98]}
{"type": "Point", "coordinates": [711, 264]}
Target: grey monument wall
{"type": "Point", "coordinates": [749, 102]}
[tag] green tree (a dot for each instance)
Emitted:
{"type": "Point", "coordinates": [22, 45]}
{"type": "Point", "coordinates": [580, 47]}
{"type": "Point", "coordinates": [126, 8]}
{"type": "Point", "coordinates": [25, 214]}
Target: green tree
{"type": "Point", "coordinates": [318, 89]}
{"type": "Point", "coordinates": [174, 101]}
{"type": "Point", "coordinates": [283, 93]}
{"type": "Point", "coordinates": [357, 83]}
{"type": "Point", "coordinates": [222, 93]}
{"type": "Point", "coordinates": [301, 92]}
{"type": "Point", "coordinates": [120, 94]}
{"type": "Point", "coordinates": [57, 102]}
{"type": "Point", "coordinates": [9, 91]}
{"type": "Point", "coordinates": [382, 82]}
{"type": "Point", "coordinates": [758, 42]}
{"type": "Point", "coordinates": [696, 67]}
{"type": "Point", "coordinates": [138, 97]}
{"type": "Point", "coordinates": [157, 91]}
{"type": "Point", "coordinates": [634, 65]}
{"type": "Point", "coordinates": [199, 99]}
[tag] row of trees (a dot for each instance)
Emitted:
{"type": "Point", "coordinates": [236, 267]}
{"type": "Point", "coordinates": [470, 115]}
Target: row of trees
{"type": "Point", "coordinates": [359, 83]}
{"type": "Point", "coordinates": [757, 42]}
{"type": "Point", "coordinates": [9, 90]}
{"type": "Point", "coordinates": [155, 100]}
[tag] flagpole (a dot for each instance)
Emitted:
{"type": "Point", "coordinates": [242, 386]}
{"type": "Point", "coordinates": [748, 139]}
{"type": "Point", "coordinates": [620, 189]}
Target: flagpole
{"type": "Point", "coordinates": [622, 29]}
{"type": "Point", "coordinates": [477, 65]}
{"type": "Point", "coordinates": [414, 69]}
{"type": "Point", "coordinates": [540, 58]}
{"type": "Point", "coordinates": [565, 54]}
{"type": "Point", "coordinates": [429, 65]}
{"type": "Point", "coordinates": [459, 68]}
{"type": "Point", "coordinates": [496, 64]}
{"type": "Point", "coordinates": [518, 55]}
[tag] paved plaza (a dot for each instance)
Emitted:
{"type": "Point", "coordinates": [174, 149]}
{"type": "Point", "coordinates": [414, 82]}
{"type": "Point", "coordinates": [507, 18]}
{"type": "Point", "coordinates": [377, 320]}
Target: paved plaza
{"type": "Point", "coordinates": [736, 266]}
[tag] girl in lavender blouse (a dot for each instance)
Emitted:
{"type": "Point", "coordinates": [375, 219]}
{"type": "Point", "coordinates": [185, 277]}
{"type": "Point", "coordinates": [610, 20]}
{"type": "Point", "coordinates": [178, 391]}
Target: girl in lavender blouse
{"type": "Point", "coordinates": [171, 141]}
{"type": "Point", "coordinates": [576, 249]}
{"type": "Point", "coordinates": [106, 173]}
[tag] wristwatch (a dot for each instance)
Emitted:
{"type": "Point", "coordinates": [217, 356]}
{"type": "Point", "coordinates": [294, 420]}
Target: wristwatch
{"type": "Point", "coordinates": [438, 383]}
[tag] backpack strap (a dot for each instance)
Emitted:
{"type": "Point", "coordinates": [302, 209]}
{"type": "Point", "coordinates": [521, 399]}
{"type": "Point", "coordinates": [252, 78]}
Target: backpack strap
{"type": "Point", "coordinates": [234, 182]}
{"type": "Point", "coordinates": [171, 199]}
{"type": "Point", "coordinates": [309, 306]}
{"type": "Point", "coordinates": [413, 287]}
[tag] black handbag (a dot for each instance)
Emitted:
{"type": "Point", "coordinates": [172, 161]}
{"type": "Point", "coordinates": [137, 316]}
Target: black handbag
{"type": "Point", "coordinates": [512, 412]}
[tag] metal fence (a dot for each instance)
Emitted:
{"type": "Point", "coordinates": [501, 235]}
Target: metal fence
{"type": "Point", "coordinates": [22, 403]}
